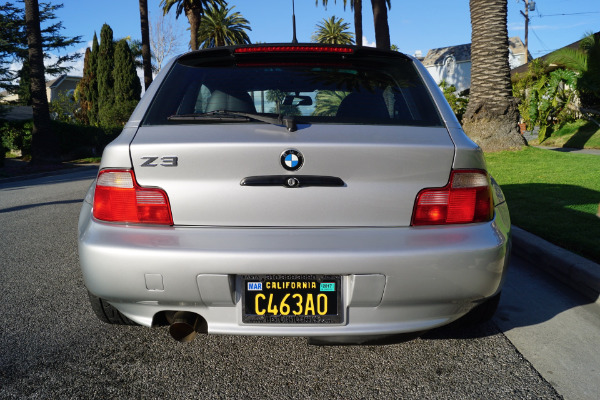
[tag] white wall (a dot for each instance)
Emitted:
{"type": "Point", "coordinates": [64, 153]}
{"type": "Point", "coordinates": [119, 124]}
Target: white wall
{"type": "Point", "coordinates": [460, 77]}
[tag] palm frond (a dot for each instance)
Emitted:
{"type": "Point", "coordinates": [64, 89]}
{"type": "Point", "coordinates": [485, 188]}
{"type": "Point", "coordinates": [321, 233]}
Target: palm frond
{"type": "Point", "coordinates": [569, 58]}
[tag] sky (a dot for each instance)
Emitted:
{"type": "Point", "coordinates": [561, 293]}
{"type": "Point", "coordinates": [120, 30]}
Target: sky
{"type": "Point", "coordinates": [414, 25]}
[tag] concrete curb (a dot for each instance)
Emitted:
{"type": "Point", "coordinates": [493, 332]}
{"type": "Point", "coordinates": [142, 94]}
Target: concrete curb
{"type": "Point", "coordinates": [578, 272]}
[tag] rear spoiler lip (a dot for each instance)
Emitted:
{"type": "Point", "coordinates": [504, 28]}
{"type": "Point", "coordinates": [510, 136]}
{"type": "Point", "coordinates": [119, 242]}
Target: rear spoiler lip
{"type": "Point", "coordinates": [227, 52]}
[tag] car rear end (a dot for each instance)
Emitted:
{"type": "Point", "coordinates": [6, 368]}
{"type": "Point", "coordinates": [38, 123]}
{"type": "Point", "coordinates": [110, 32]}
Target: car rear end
{"type": "Point", "coordinates": [294, 190]}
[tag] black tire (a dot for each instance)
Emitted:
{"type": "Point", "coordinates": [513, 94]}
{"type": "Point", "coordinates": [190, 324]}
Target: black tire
{"type": "Point", "coordinates": [107, 313]}
{"type": "Point", "coordinates": [482, 312]}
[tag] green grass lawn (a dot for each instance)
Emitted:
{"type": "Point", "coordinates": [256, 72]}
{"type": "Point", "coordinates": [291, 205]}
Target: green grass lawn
{"type": "Point", "coordinates": [579, 135]}
{"type": "Point", "coordinates": [553, 195]}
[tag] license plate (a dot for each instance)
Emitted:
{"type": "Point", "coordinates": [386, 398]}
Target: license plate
{"type": "Point", "coordinates": [292, 299]}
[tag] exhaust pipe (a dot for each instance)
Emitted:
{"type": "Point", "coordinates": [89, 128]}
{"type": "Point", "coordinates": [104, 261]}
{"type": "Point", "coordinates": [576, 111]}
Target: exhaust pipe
{"type": "Point", "coordinates": [186, 325]}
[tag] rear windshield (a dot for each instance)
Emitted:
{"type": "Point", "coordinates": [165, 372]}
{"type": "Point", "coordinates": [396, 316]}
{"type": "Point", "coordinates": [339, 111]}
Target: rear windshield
{"type": "Point", "coordinates": [388, 92]}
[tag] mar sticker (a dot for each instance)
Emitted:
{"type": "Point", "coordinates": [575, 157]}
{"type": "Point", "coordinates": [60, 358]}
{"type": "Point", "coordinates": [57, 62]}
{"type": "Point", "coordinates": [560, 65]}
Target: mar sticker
{"type": "Point", "coordinates": [328, 287]}
{"type": "Point", "coordinates": [255, 286]}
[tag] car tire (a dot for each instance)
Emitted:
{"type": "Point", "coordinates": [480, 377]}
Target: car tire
{"type": "Point", "coordinates": [482, 312]}
{"type": "Point", "coordinates": [107, 313]}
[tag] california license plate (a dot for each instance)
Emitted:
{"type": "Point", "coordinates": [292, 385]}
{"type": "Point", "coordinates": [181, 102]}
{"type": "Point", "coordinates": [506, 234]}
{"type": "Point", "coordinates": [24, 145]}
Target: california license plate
{"type": "Point", "coordinates": [292, 299]}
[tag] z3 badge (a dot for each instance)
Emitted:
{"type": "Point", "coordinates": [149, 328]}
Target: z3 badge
{"type": "Point", "coordinates": [167, 161]}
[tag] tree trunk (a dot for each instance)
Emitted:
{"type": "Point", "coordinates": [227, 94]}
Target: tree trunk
{"type": "Point", "coordinates": [44, 146]}
{"type": "Point", "coordinates": [492, 117]}
{"type": "Point", "coordinates": [358, 29]}
{"type": "Point", "coordinates": [380, 20]}
{"type": "Point", "coordinates": [146, 57]}
{"type": "Point", "coordinates": [193, 17]}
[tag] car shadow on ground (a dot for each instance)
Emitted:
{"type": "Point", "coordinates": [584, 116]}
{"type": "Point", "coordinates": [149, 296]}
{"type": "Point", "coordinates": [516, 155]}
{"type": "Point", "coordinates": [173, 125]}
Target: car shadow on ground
{"type": "Point", "coordinates": [559, 213]}
{"type": "Point", "coordinates": [28, 206]}
{"type": "Point", "coordinates": [529, 297]}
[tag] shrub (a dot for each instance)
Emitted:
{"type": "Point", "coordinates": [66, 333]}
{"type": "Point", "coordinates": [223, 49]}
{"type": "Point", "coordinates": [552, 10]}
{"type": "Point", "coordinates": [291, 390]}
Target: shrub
{"type": "Point", "coordinates": [3, 151]}
{"type": "Point", "coordinates": [79, 141]}
{"type": "Point", "coordinates": [75, 141]}
{"type": "Point", "coordinates": [456, 101]}
{"type": "Point", "coordinates": [16, 135]}
{"type": "Point", "coordinates": [63, 108]}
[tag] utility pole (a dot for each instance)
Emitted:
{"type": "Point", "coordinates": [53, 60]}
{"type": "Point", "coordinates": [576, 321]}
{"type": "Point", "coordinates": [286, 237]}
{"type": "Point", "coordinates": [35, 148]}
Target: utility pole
{"type": "Point", "coordinates": [529, 6]}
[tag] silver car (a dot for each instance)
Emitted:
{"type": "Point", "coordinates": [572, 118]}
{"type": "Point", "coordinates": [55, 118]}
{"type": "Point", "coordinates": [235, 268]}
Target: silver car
{"type": "Point", "coordinates": [293, 190]}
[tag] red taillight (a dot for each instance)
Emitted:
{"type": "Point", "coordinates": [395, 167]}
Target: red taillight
{"type": "Point", "coordinates": [466, 199]}
{"type": "Point", "coordinates": [294, 49]}
{"type": "Point", "coordinates": [118, 198]}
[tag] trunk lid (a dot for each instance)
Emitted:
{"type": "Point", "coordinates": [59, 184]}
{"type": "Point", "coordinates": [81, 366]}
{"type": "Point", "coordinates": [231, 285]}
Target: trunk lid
{"type": "Point", "coordinates": [382, 168]}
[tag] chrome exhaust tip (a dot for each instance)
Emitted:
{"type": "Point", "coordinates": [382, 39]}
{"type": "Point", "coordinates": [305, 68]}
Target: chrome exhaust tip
{"type": "Point", "coordinates": [186, 325]}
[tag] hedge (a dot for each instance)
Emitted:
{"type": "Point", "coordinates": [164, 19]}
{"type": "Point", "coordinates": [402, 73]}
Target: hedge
{"type": "Point", "coordinates": [75, 140]}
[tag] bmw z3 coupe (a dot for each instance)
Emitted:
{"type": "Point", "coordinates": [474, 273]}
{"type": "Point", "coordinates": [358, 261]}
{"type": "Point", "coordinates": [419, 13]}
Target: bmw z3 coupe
{"type": "Point", "coordinates": [293, 190]}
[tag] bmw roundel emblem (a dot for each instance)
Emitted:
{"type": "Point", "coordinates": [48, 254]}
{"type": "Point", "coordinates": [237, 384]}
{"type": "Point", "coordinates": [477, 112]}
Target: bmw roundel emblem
{"type": "Point", "coordinates": [292, 160]}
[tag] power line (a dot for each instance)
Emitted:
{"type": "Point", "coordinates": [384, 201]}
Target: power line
{"type": "Point", "coordinates": [579, 13]}
{"type": "Point", "coordinates": [538, 38]}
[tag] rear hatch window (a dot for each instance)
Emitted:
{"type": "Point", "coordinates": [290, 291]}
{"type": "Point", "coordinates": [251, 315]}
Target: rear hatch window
{"type": "Point", "coordinates": [360, 88]}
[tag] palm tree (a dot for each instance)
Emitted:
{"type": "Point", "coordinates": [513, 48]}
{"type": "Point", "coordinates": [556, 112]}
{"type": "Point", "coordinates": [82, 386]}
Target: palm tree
{"type": "Point", "coordinates": [356, 6]}
{"type": "Point", "coordinates": [220, 28]}
{"type": "Point", "coordinates": [146, 57]}
{"type": "Point", "coordinates": [194, 9]}
{"type": "Point", "coordinates": [44, 146]}
{"type": "Point", "coordinates": [328, 102]}
{"type": "Point", "coordinates": [333, 31]}
{"type": "Point", "coordinates": [380, 21]}
{"type": "Point", "coordinates": [585, 61]}
{"type": "Point", "coordinates": [492, 116]}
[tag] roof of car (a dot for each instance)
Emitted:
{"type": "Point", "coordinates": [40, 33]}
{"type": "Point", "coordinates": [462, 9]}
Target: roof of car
{"type": "Point", "coordinates": [287, 48]}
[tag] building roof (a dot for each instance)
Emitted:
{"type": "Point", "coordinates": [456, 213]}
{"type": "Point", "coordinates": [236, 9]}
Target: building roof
{"type": "Point", "coordinates": [516, 45]}
{"type": "Point", "coordinates": [462, 52]}
{"type": "Point", "coordinates": [523, 68]}
{"type": "Point", "coordinates": [56, 82]}
{"type": "Point", "coordinates": [437, 56]}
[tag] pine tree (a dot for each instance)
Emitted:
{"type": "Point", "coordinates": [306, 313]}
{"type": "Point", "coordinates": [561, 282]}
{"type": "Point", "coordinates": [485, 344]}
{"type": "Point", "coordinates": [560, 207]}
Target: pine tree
{"type": "Point", "coordinates": [104, 73]}
{"type": "Point", "coordinates": [44, 144]}
{"type": "Point", "coordinates": [82, 92]}
{"type": "Point", "coordinates": [93, 86]}
{"type": "Point", "coordinates": [14, 46]}
{"type": "Point", "coordinates": [127, 86]}
{"type": "Point", "coordinates": [24, 90]}
{"type": "Point", "coordinates": [127, 83]}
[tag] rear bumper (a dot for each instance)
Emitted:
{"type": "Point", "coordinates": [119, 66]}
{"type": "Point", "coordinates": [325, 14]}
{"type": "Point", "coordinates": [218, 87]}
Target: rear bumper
{"type": "Point", "coordinates": [394, 279]}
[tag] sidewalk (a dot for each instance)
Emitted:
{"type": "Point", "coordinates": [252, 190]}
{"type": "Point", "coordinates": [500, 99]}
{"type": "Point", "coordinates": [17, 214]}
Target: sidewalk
{"type": "Point", "coordinates": [578, 272]}
{"type": "Point", "coordinates": [570, 150]}
{"type": "Point", "coordinates": [529, 136]}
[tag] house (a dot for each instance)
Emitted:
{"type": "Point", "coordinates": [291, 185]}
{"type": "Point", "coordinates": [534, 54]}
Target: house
{"type": "Point", "coordinates": [64, 84]}
{"type": "Point", "coordinates": [453, 64]}
{"type": "Point", "coordinates": [6, 97]}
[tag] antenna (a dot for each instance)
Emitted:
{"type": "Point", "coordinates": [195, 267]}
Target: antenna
{"type": "Point", "coordinates": [294, 40]}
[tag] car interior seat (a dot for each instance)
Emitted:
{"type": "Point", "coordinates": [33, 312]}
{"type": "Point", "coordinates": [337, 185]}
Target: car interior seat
{"type": "Point", "coordinates": [363, 105]}
{"type": "Point", "coordinates": [231, 101]}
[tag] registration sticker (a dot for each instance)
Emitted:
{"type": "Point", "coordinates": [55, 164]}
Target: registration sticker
{"type": "Point", "coordinates": [292, 299]}
{"type": "Point", "coordinates": [255, 286]}
{"type": "Point", "coordinates": [328, 287]}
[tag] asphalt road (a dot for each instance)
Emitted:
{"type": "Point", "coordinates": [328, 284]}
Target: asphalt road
{"type": "Point", "coordinates": [52, 345]}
